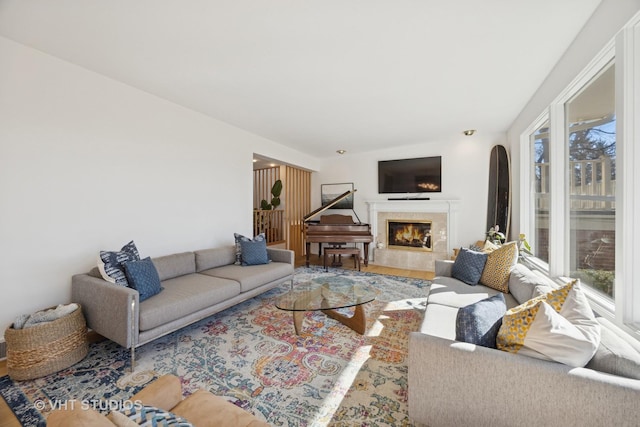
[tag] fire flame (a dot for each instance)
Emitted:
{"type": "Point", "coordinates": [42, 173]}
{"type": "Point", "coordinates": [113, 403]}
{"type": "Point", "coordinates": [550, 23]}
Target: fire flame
{"type": "Point", "coordinates": [408, 233]}
{"type": "Point", "coordinates": [428, 186]}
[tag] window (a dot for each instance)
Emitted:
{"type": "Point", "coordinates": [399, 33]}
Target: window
{"type": "Point", "coordinates": [539, 145]}
{"type": "Point", "coordinates": [590, 185]}
{"type": "Point", "coordinates": [580, 160]}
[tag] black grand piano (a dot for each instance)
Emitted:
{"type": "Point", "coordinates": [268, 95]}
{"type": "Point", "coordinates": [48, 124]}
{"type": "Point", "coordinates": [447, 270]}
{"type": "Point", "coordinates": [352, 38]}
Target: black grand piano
{"type": "Point", "coordinates": [336, 229]}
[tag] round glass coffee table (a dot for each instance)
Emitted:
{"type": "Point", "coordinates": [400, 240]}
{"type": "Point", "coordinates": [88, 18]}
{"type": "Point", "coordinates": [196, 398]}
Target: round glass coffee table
{"type": "Point", "coordinates": [328, 297]}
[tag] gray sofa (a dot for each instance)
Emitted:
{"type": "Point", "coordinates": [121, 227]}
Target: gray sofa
{"type": "Point", "coordinates": [454, 383]}
{"type": "Point", "coordinates": [195, 285]}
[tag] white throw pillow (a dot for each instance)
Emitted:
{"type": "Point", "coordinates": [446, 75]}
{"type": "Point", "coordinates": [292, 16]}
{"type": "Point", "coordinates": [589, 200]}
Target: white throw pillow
{"type": "Point", "coordinates": [558, 326]}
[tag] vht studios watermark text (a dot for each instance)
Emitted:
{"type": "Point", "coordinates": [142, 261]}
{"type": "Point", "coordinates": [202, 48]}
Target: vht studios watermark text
{"type": "Point", "coordinates": [95, 404]}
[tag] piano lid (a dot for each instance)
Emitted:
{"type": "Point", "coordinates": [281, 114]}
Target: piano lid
{"type": "Point", "coordinates": [328, 205]}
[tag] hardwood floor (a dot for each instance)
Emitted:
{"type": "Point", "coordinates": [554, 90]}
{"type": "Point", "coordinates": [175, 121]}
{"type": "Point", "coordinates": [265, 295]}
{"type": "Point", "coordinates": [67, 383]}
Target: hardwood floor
{"type": "Point", "coordinates": [372, 268]}
{"type": "Point", "coordinates": [7, 419]}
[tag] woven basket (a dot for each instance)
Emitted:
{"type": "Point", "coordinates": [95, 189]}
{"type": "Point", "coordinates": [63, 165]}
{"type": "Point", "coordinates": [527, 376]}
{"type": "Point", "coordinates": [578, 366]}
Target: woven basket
{"type": "Point", "coordinates": [46, 348]}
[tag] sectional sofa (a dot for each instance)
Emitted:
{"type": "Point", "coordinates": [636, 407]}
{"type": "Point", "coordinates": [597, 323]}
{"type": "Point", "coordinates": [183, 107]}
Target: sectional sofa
{"type": "Point", "coordinates": [195, 285]}
{"type": "Point", "coordinates": [457, 383]}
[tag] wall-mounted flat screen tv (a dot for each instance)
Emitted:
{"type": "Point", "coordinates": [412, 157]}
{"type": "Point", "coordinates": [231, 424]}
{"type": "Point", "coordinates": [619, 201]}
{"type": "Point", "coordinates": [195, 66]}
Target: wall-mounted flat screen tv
{"type": "Point", "coordinates": [419, 175]}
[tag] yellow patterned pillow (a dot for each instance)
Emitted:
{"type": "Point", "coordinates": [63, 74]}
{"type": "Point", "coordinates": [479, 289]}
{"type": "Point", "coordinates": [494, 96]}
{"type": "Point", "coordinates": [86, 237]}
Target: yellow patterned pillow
{"type": "Point", "coordinates": [498, 267]}
{"type": "Point", "coordinates": [557, 326]}
{"type": "Point", "coordinates": [515, 325]}
{"type": "Point", "coordinates": [517, 320]}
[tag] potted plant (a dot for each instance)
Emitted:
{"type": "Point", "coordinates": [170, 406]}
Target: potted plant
{"type": "Point", "coordinates": [262, 221]}
{"type": "Point", "coordinates": [276, 190]}
{"type": "Point", "coordinates": [495, 236]}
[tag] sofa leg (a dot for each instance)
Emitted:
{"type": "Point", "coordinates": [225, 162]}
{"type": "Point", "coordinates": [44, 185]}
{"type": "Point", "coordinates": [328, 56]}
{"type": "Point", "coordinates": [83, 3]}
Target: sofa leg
{"type": "Point", "coordinates": [132, 351]}
{"type": "Point", "coordinates": [132, 322]}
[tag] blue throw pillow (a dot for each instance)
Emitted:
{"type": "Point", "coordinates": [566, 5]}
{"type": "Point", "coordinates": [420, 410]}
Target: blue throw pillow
{"type": "Point", "coordinates": [145, 415]}
{"type": "Point", "coordinates": [240, 238]}
{"type": "Point", "coordinates": [143, 277]}
{"type": "Point", "coordinates": [254, 252]}
{"type": "Point", "coordinates": [468, 266]}
{"type": "Point", "coordinates": [480, 322]}
{"type": "Point", "coordinates": [111, 263]}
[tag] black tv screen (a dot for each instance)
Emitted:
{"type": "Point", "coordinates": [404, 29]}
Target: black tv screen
{"type": "Point", "coordinates": [419, 175]}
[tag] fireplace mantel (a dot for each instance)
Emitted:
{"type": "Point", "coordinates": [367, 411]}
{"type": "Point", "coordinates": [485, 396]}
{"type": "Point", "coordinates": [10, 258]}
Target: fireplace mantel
{"type": "Point", "coordinates": [422, 208]}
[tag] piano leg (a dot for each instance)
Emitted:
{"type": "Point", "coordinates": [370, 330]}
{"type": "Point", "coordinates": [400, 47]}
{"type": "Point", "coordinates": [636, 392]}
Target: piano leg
{"type": "Point", "coordinates": [366, 253]}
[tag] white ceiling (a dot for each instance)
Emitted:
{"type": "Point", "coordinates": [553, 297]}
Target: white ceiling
{"type": "Point", "coordinates": [317, 75]}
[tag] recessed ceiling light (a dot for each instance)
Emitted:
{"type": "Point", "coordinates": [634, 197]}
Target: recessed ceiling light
{"type": "Point", "coordinates": [469, 132]}
{"type": "Point", "coordinates": [341, 151]}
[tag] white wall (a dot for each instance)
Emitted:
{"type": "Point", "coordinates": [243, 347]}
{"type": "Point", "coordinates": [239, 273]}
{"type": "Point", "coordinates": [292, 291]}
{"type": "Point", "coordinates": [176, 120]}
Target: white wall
{"type": "Point", "coordinates": [465, 177]}
{"type": "Point", "coordinates": [604, 24]}
{"type": "Point", "coordinates": [87, 163]}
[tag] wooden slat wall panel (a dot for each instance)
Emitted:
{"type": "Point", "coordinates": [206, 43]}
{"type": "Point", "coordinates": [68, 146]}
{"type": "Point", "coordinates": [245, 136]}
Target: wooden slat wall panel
{"type": "Point", "coordinates": [297, 191]}
{"type": "Point", "coordinates": [271, 223]}
{"type": "Point", "coordinates": [263, 180]}
{"type": "Point", "coordinates": [296, 200]}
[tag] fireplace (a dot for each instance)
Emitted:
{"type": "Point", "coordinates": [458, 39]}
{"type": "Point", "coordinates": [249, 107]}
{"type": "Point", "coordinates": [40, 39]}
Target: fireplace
{"type": "Point", "coordinates": [409, 234]}
{"type": "Point", "coordinates": [443, 216]}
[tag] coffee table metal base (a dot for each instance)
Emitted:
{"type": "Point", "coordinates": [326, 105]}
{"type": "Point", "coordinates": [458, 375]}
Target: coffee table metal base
{"type": "Point", "coordinates": [357, 322]}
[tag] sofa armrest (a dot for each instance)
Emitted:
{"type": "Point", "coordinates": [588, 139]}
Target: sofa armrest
{"type": "Point", "coordinates": [204, 409]}
{"type": "Point", "coordinates": [164, 393]}
{"type": "Point", "coordinates": [281, 255]}
{"type": "Point", "coordinates": [73, 413]}
{"type": "Point", "coordinates": [443, 267]}
{"type": "Point", "coordinates": [110, 310]}
{"type": "Point", "coordinates": [455, 383]}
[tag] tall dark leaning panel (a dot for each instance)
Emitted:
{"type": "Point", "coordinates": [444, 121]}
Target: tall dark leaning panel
{"type": "Point", "coordinates": [499, 200]}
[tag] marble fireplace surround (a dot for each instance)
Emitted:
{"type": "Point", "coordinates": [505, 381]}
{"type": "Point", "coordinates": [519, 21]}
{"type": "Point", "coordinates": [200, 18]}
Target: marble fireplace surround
{"type": "Point", "coordinates": [442, 213]}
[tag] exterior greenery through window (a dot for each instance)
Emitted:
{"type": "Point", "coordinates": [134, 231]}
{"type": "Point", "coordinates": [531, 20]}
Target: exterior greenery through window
{"type": "Point", "coordinates": [579, 180]}
{"type": "Point", "coordinates": [589, 213]}
{"type": "Point", "coordinates": [590, 121]}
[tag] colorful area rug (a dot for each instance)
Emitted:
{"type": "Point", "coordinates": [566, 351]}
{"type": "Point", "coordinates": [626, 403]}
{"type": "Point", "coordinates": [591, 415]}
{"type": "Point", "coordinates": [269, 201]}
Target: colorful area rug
{"type": "Point", "coordinates": [327, 376]}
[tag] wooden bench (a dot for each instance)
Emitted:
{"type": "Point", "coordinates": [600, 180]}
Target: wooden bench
{"type": "Point", "coordinates": [342, 251]}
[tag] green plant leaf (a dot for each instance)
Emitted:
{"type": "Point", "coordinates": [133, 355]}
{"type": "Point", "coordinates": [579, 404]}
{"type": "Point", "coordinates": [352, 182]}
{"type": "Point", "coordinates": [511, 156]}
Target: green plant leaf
{"type": "Point", "coordinates": [265, 206]}
{"type": "Point", "coordinates": [276, 190]}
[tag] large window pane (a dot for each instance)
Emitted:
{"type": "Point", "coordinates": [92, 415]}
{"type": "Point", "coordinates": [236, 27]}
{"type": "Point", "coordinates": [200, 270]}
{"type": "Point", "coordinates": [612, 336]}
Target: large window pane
{"type": "Point", "coordinates": [539, 145]}
{"type": "Point", "coordinates": [591, 130]}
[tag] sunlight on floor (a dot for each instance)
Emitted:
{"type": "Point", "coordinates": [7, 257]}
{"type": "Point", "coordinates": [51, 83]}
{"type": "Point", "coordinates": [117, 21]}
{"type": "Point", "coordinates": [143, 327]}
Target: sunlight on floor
{"type": "Point", "coordinates": [341, 387]}
{"type": "Point", "coordinates": [406, 304]}
{"type": "Point", "coordinates": [345, 381]}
